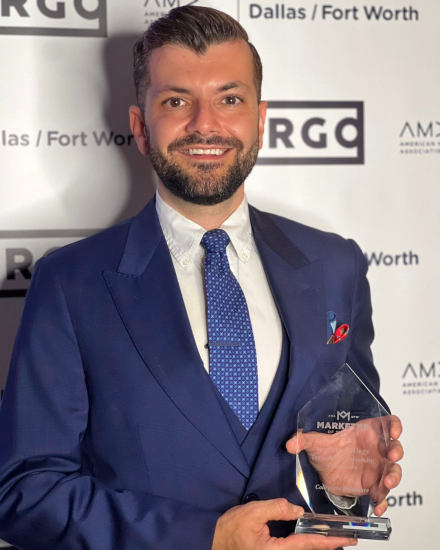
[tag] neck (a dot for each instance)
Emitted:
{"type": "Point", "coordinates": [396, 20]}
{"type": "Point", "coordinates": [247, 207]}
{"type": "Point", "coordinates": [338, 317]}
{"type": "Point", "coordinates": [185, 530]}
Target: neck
{"type": "Point", "coordinates": [208, 217]}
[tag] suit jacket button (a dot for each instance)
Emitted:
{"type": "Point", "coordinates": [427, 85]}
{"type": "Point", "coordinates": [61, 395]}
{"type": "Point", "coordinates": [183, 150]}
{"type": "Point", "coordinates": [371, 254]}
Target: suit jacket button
{"type": "Point", "coordinates": [251, 497]}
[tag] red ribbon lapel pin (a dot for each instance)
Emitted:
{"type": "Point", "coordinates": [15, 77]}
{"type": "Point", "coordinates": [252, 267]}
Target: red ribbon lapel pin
{"type": "Point", "coordinates": [340, 334]}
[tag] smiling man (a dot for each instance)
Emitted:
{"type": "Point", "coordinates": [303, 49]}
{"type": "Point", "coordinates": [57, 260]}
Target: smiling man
{"type": "Point", "coordinates": [211, 154]}
{"type": "Point", "coordinates": [160, 365]}
{"type": "Point", "coordinates": [200, 119]}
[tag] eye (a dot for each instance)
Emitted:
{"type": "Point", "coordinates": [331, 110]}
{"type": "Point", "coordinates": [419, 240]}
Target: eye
{"type": "Point", "coordinates": [175, 102]}
{"type": "Point", "coordinates": [231, 100]}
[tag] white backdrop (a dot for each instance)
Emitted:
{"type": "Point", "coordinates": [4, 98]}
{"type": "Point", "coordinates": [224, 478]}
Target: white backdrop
{"type": "Point", "coordinates": [68, 166]}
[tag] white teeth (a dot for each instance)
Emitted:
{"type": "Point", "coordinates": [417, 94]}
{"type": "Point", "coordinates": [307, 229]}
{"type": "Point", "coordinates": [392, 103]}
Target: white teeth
{"type": "Point", "coordinates": [217, 152]}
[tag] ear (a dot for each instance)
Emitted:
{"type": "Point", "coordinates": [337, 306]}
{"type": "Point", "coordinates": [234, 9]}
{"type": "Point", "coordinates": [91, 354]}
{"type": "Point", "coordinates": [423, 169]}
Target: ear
{"type": "Point", "coordinates": [262, 107]}
{"type": "Point", "coordinates": [137, 126]}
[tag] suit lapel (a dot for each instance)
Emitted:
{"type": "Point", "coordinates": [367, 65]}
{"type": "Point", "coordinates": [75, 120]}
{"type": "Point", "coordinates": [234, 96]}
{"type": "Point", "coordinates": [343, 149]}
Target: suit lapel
{"type": "Point", "coordinates": [148, 298]}
{"type": "Point", "coordinates": [298, 289]}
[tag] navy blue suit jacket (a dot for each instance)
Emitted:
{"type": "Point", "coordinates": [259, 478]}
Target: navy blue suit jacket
{"type": "Point", "coordinates": [111, 433]}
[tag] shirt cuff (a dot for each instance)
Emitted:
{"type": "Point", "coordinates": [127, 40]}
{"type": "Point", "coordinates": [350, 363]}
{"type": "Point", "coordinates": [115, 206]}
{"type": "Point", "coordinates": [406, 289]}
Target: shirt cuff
{"type": "Point", "coordinates": [341, 502]}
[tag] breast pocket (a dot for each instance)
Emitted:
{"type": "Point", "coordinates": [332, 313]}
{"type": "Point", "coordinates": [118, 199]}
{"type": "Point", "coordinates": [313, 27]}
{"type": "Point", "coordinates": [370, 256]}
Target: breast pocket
{"type": "Point", "coordinates": [335, 353]}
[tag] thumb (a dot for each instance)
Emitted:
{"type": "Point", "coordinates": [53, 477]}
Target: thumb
{"type": "Point", "coordinates": [278, 509]}
{"type": "Point", "coordinates": [302, 442]}
{"type": "Point", "coordinates": [293, 443]}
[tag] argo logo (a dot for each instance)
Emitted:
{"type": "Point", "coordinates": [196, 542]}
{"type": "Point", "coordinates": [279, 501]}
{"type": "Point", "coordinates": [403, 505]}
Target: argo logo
{"type": "Point", "coordinates": [19, 250]}
{"type": "Point", "coordinates": [314, 132]}
{"type": "Point", "coordinates": [54, 18]}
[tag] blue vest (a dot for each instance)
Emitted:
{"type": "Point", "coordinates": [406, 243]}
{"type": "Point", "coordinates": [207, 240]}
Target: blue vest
{"type": "Point", "coordinates": [252, 440]}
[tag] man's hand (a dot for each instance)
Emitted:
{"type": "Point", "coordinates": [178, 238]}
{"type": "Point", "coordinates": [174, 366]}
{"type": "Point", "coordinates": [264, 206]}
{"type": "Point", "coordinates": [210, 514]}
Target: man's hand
{"type": "Point", "coordinates": [245, 528]}
{"type": "Point", "coordinates": [351, 462]}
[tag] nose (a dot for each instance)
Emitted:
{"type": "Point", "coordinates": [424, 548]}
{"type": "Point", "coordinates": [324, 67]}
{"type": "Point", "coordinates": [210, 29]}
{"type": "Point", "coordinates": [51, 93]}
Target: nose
{"type": "Point", "coordinates": [204, 120]}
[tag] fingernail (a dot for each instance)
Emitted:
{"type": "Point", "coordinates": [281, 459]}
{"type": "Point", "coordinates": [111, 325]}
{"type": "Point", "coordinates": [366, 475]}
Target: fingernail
{"type": "Point", "coordinates": [298, 509]}
{"type": "Point", "coordinates": [353, 542]}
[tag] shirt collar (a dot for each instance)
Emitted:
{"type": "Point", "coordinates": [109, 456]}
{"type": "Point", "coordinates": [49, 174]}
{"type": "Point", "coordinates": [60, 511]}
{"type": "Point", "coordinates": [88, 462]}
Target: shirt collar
{"type": "Point", "coordinates": [183, 236]}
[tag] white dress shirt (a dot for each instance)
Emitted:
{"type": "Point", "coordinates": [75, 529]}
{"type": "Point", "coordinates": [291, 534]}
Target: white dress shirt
{"type": "Point", "coordinates": [183, 238]}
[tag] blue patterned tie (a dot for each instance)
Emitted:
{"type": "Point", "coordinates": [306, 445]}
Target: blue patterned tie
{"type": "Point", "coordinates": [232, 355]}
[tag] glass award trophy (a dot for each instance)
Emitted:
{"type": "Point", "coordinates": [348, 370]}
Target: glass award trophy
{"type": "Point", "coordinates": [341, 461]}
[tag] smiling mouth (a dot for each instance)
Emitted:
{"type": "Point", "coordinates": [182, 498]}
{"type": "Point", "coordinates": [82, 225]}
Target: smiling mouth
{"type": "Point", "coordinates": [204, 153]}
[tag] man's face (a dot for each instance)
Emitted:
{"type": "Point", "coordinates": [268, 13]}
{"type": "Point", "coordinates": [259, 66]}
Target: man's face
{"type": "Point", "coordinates": [203, 124]}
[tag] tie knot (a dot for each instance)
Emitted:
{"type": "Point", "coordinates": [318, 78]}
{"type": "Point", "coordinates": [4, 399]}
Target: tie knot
{"type": "Point", "coordinates": [215, 241]}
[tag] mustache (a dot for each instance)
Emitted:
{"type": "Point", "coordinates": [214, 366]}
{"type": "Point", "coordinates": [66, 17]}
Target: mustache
{"type": "Point", "coordinates": [229, 142]}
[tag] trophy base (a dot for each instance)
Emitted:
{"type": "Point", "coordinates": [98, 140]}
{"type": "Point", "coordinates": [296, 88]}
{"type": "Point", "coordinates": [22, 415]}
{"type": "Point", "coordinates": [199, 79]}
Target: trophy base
{"type": "Point", "coordinates": [344, 526]}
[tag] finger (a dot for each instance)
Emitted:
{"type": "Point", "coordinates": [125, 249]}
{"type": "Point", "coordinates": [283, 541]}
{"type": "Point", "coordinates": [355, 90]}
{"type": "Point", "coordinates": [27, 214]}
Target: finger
{"type": "Point", "coordinates": [292, 444]}
{"type": "Point", "coordinates": [301, 442]}
{"type": "Point", "coordinates": [311, 542]}
{"type": "Point", "coordinates": [396, 427]}
{"type": "Point", "coordinates": [396, 451]}
{"type": "Point", "coordinates": [394, 477]}
{"type": "Point", "coordinates": [381, 508]}
{"type": "Point", "coordinates": [278, 509]}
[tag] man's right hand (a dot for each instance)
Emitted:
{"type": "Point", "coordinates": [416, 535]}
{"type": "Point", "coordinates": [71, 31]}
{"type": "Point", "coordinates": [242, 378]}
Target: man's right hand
{"type": "Point", "coordinates": [245, 528]}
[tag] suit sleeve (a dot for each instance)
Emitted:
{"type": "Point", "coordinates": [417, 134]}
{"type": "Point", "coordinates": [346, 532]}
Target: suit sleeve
{"type": "Point", "coordinates": [361, 329]}
{"type": "Point", "coordinates": [46, 502]}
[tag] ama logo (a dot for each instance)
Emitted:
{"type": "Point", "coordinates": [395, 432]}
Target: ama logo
{"type": "Point", "coordinates": [158, 8]}
{"type": "Point", "coordinates": [421, 379]}
{"type": "Point", "coordinates": [168, 4]}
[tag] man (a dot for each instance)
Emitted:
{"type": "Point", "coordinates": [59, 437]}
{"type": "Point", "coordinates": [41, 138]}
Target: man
{"type": "Point", "coordinates": [113, 434]}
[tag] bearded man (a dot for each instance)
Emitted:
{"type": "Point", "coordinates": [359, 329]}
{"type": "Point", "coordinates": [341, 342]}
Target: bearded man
{"type": "Point", "coordinates": [160, 365]}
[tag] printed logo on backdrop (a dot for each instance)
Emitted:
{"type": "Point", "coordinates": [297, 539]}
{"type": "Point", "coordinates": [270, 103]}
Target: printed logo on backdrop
{"type": "Point", "coordinates": [409, 499]}
{"type": "Point", "coordinates": [314, 132]}
{"type": "Point", "coordinates": [19, 250]}
{"type": "Point", "coordinates": [270, 11]}
{"type": "Point", "coordinates": [158, 8]}
{"type": "Point", "coordinates": [420, 138]}
{"type": "Point", "coordinates": [384, 259]}
{"type": "Point", "coordinates": [49, 18]}
{"type": "Point", "coordinates": [421, 379]}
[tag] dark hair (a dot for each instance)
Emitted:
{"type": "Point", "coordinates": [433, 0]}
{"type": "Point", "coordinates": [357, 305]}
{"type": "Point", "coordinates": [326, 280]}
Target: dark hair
{"type": "Point", "coordinates": [194, 27]}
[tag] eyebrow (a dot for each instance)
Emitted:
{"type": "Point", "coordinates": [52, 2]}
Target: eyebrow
{"type": "Point", "coordinates": [232, 85]}
{"type": "Point", "coordinates": [224, 88]}
{"type": "Point", "coordinates": [176, 89]}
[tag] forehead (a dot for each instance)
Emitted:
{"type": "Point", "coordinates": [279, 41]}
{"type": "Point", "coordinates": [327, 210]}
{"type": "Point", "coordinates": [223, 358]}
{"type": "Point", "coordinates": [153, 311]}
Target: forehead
{"type": "Point", "coordinates": [179, 66]}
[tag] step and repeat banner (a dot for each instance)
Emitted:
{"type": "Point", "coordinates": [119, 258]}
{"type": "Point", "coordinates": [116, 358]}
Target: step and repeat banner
{"type": "Point", "coordinates": [352, 146]}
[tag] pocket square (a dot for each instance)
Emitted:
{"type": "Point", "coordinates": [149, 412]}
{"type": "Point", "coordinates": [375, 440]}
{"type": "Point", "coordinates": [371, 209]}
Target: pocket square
{"type": "Point", "coordinates": [331, 324]}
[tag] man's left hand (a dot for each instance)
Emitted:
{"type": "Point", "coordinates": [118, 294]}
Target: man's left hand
{"type": "Point", "coordinates": [356, 458]}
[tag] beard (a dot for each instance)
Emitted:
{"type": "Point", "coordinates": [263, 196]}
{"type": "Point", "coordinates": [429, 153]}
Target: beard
{"type": "Point", "coordinates": [210, 185]}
